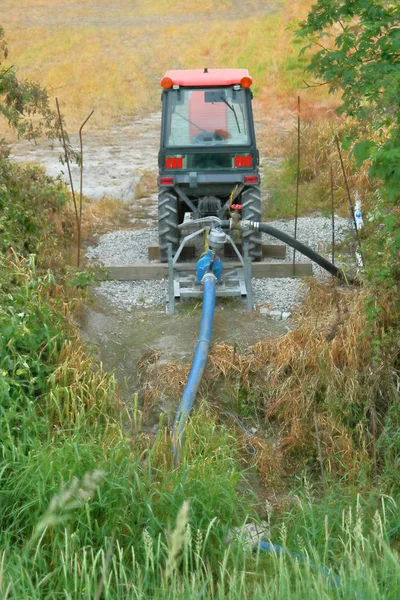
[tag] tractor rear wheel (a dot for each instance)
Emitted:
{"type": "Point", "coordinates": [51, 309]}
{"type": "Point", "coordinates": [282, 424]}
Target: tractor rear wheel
{"type": "Point", "coordinates": [168, 220]}
{"type": "Point", "coordinates": [251, 211]}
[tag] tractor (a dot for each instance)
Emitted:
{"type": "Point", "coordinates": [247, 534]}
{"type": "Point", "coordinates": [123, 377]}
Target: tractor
{"type": "Point", "coordinates": [208, 159]}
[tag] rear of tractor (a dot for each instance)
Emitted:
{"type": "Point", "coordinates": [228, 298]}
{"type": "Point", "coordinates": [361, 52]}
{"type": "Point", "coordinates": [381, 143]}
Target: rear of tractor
{"type": "Point", "coordinates": [208, 159]}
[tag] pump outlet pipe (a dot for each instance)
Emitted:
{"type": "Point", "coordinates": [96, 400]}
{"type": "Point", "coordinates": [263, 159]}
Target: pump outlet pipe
{"type": "Point", "coordinates": [291, 241]}
{"type": "Point", "coordinates": [198, 364]}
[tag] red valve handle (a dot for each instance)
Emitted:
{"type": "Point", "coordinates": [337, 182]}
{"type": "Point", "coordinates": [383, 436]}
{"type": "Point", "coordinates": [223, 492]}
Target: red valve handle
{"type": "Point", "coordinates": [237, 206]}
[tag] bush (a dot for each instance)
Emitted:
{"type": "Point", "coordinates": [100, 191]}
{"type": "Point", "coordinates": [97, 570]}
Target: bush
{"type": "Point", "coordinates": [34, 212]}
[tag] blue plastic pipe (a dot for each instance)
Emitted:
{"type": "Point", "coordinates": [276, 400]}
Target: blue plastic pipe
{"type": "Point", "coordinates": [332, 577]}
{"type": "Point", "coordinates": [198, 364]}
{"type": "Point", "coordinates": [189, 396]}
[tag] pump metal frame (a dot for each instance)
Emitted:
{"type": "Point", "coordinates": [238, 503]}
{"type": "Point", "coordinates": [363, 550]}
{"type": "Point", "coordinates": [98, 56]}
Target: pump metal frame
{"type": "Point", "coordinates": [182, 284]}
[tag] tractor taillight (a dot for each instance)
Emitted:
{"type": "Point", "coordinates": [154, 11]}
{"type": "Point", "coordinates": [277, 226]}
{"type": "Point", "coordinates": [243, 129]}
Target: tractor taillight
{"type": "Point", "coordinates": [251, 179]}
{"type": "Point", "coordinates": [173, 162]}
{"type": "Point", "coordinates": [167, 181]}
{"type": "Point", "coordinates": [242, 161]}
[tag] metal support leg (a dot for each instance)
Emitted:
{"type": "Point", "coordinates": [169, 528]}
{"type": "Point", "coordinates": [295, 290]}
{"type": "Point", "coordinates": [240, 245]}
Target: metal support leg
{"type": "Point", "coordinates": [171, 291]}
{"type": "Point", "coordinates": [247, 276]}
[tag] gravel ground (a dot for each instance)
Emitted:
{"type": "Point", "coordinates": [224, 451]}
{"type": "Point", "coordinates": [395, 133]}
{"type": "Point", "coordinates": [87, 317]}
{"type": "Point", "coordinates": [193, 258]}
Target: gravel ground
{"type": "Point", "coordinates": [279, 294]}
{"type": "Point", "coordinates": [125, 295]}
{"type": "Point", "coordinates": [119, 248]}
{"type": "Point", "coordinates": [316, 232]}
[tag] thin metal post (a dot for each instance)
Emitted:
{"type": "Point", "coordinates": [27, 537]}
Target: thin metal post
{"type": "Point", "coordinates": [297, 182]}
{"type": "Point", "coordinates": [81, 186]}
{"type": "Point", "coordinates": [349, 198]}
{"type": "Point", "coordinates": [171, 291]}
{"type": "Point", "coordinates": [247, 276]}
{"type": "Point", "coordinates": [78, 225]}
{"type": "Point", "coordinates": [333, 219]}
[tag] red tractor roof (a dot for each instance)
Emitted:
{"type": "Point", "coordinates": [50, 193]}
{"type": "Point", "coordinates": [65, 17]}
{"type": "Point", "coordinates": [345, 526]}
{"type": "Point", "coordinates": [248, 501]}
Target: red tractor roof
{"type": "Point", "coordinates": [206, 77]}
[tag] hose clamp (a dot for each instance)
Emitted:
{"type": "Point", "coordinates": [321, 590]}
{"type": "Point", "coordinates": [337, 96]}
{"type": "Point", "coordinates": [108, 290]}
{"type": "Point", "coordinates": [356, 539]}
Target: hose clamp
{"type": "Point", "coordinates": [245, 224]}
{"type": "Point", "coordinates": [254, 224]}
{"type": "Point", "coordinates": [208, 275]}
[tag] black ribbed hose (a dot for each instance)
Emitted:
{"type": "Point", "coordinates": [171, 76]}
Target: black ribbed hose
{"type": "Point", "coordinates": [302, 248]}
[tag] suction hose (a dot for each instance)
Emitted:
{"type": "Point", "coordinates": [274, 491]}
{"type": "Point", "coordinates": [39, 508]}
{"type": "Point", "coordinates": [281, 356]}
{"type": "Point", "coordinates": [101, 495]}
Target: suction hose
{"type": "Point", "coordinates": [198, 364]}
{"type": "Point", "coordinates": [332, 577]}
{"type": "Point", "coordinates": [291, 241]}
{"type": "Point", "coordinates": [203, 345]}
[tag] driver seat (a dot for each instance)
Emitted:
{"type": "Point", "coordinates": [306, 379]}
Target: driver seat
{"type": "Point", "coordinates": [209, 116]}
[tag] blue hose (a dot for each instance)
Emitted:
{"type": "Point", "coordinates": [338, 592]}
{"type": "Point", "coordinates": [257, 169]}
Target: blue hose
{"type": "Point", "coordinates": [189, 396]}
{"type": "Point", "coordinates": [198, 364]}
{"type": "Point", "coordinates": [332, 577]}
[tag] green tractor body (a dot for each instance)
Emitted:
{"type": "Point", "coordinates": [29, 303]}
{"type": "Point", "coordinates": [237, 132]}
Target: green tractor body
{"type": "Point", "coordinates": [208, 159]}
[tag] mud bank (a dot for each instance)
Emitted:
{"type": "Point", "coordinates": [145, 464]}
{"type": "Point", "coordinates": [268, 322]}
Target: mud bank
{"type": "Point", "coordinates": [113, 161]}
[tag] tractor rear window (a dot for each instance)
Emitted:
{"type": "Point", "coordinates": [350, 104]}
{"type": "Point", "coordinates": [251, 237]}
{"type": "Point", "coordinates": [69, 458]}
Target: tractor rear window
{"type": "Point", "coordinates": [206, 117]}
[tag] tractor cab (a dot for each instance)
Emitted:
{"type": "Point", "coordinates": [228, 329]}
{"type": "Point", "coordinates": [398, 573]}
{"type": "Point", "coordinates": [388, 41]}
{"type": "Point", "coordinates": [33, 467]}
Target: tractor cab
{"type": "Point", "coordinates": [208, 160]}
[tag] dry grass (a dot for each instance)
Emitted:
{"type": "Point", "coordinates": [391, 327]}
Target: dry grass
{"type": "Point", "coordinates": [324, 366]}
{"type": "Point", "coordinates": [101, 216]}
{"type": "Point", "coordinates": [319, 154]}
{"type": "Point", "coordinates": [179, 7]}
{"type": "Point", "coordinates": [80, 392]}
{"type": "Point", "coordinates": [95, 8]}
{"type": "Point", "coordinates": [146, 184]}
{"type": "Point", "coordinates": [110, 57]}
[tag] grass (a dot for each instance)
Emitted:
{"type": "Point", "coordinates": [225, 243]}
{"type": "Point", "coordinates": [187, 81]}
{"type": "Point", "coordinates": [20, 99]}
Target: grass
{"type": "Point", "coordinates": [70, 475]}
{"type": "Point", "coordinates": [318, 154]}
{"type": "Point", "coordinates": [146, 184]}
{"type": "Point", "coordinates": [87, 497]}
{"type": "Point", "coordinates": [349, 556]}
{"type": "Point", "coordinates": [325, 367]}
{"type": "Point", "coordinates": [101, 216]}
{"type": "Point", "coordinates": [89, 57]}
{"type": "Point", "coordinates": [86, 505]}
{"type": "Point", "coordinates": [91, 506]}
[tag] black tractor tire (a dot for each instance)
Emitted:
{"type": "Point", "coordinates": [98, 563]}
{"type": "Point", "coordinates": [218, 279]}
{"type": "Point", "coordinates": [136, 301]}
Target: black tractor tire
{"type": "Point", "coordinates": [251, 211]}
{"type": "Point", "coordinates": [168, 220]}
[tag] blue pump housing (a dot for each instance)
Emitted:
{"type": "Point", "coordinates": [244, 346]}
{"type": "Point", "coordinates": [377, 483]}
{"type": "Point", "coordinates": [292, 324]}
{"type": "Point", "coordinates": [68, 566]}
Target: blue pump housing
{"type": "Point", "coordinates": [202, 267]}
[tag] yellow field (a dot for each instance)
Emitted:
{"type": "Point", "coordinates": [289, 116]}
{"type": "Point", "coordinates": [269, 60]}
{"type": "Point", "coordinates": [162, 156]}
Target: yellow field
{"type": "Point", "coordinates": [109, 55]}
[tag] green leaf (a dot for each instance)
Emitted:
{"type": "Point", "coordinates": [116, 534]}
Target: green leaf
{"type": "Point", "coordinates": [390, 222]}
{"type": "Point", "coordinates": [347, 142]}
{"type": "Point", "coordinates": [362, 151]}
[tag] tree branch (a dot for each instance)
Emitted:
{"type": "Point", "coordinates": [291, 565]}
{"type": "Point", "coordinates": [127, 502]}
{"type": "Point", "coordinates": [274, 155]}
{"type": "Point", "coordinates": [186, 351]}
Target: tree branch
{"type": "Point", "coordinates": [315, 84]}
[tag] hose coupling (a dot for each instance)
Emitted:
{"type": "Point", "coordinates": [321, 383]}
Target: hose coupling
{"type": "Point", "coordinates": [208, 275]}
{"type": "Point", "coordinates": [245, 224]}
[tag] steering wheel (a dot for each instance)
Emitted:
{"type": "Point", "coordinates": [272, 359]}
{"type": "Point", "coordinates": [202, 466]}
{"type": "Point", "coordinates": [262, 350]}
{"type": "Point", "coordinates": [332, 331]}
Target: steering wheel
{"type": "Point", "coordinates": [206, 138]}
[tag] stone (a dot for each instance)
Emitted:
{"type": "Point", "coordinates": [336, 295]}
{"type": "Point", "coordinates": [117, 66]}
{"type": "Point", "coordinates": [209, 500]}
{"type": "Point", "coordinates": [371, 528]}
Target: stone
{"type": "Point", "coordinates": [276, 315]}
